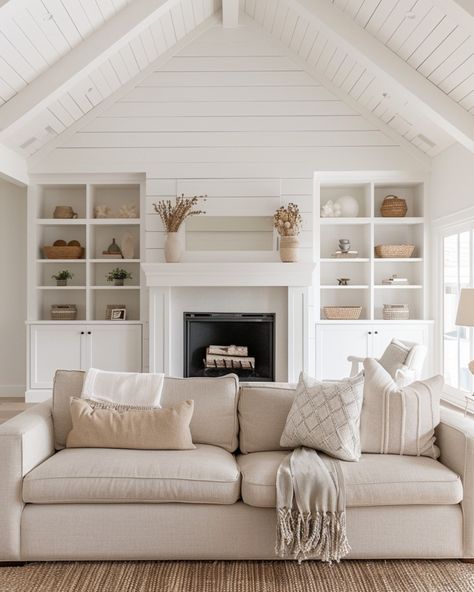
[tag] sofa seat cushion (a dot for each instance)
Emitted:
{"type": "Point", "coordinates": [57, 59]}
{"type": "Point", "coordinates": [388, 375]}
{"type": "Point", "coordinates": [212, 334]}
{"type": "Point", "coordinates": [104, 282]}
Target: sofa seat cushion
{"type": "Point", "coordinates": [376, 480]}
{"type": "Point", "coordinates": [206, 475]}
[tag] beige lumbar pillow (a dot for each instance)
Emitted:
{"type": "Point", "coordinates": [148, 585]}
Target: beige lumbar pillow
{"type": "Point", "coordinates": [150, 429]}
{"type": "Point", "coordinates": [325, 416]}
{"type": "Point", "coordinates": [399, 420]}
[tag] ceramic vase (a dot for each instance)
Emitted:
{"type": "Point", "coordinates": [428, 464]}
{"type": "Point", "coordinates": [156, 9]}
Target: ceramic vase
{"type": "Point", "coordinates": [118, 282]}
{"type": "Point", "coordinates": [289, 249]}
{"type": "Point", "coordinates": [173, 248]}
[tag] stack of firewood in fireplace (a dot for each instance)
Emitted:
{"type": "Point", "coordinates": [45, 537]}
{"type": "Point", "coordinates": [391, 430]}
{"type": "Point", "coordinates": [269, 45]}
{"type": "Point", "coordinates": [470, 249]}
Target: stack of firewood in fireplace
{"type": "Point", "coordinates": [229, 357]}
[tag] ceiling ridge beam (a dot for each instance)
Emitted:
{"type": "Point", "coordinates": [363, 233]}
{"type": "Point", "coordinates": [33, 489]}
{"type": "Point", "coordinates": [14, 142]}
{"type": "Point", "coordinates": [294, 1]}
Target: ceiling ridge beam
{"type": "Point", "coordinates": [123, 90]}
{"type": "Point", "coordinates": [80, 61]}
{"type": "Point", "coordinates": [390, 68]}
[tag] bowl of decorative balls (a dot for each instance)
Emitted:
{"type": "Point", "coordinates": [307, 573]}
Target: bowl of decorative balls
{"type": "Point", "coordinates": [63, 250]}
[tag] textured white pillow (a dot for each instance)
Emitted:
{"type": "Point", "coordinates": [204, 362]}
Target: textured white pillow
{"type": "Point", "coordinates": [325, 416]}
{"type": "Point", "coordinates": [399, 420]}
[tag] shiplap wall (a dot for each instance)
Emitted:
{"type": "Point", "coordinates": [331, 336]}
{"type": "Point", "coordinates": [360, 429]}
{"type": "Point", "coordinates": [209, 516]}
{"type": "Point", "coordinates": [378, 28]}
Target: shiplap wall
{"type": "Point", "coordinates": [233, 117]}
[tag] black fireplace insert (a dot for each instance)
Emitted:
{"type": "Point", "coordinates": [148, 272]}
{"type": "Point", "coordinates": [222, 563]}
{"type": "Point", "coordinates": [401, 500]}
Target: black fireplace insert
{"type": "Point", "coordinates": [255, 331]}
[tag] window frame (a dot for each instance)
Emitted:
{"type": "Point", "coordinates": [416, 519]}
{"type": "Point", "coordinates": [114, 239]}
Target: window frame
{"type": "Point", "coordinates": [458, 223]}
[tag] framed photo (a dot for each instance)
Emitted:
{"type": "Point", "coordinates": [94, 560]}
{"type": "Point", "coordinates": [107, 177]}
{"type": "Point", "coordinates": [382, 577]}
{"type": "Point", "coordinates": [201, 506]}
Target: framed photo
{"type": "Point", "coordinates": [116, 312]}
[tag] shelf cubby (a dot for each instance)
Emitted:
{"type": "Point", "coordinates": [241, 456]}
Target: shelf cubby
{"type": "Point", "coordinates": [358, 274]}
{"type": "Point", "coordinates": [99, 273]}
{"type": "Point", "coordinates": [355, 297]}
{"type": "Point", "coordinates": [101, 297]}
{"type": "Point", "coordinates": [76, 266]}
{"type": "Point", "coordinates": [113, 197]}
{"type": "Point", "coordinates": [101, 237]}
{"type": "Point", "coordinates": [47, 234]}
{"type": "Point", "coordinates": [47, 297]}
{"type": "Point", "coordinates": [50, 196]}
{"type": "Point", "coordinates": [407, 268]}
{"type": "Point", "coordinates": [412, 193]}
{"type": "Point", "coordinates": [362, 192]}
{"type": "Point", "coordinates": [358, 234]}
{"type": "Point", "coordinates": [399, 234]}
{"type": "Point", "coordinates": [399, 296]}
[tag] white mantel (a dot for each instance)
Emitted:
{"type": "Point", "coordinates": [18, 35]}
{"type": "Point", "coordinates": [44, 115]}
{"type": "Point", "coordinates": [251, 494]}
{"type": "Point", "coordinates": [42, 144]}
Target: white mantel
{"type": "Point", "coordinates": [237, 285]}
{"type": "Point", "coordinates": [229, 274]}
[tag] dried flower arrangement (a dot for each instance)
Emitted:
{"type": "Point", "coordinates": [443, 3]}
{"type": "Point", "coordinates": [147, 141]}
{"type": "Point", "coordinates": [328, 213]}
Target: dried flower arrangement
{"type": "Point", "coordinates": [173, 216]}
{"type": "Point", "coordinates": [287, 220]}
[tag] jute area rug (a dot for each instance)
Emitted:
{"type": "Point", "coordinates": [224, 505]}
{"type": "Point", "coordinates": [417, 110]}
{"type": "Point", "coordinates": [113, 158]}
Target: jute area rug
{"type": "Point", "coordinates": [239, 576]}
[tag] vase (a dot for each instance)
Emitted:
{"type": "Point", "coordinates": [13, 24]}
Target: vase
{"type": "Point", "coordinates": [173, 248]}
{"type": "Point", "coordinates": [61, 282]}
{"type": "Point", "coordinates": [289, 249]}
{"type": "Point", "coordinates": [118, 282]}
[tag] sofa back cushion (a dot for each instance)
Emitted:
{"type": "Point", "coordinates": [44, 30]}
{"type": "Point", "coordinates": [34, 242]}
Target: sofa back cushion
{"type": "Point", "coordinates": [263, 409]}
{"type": "Point", "coordinates": [215, 406]}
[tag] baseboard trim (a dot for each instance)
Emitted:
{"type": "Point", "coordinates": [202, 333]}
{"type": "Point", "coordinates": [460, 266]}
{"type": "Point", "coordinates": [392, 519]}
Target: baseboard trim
{"type": "Point", "coordinates": [15, 390]}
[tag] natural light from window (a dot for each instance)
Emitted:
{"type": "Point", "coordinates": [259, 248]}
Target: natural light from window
{"type": "Point", "coordinates": [458, 347]}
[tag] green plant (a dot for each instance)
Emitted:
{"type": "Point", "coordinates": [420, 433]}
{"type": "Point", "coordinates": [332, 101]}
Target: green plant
{"type": "Point", "coordinates": [118, 274]}
{"type": "Point", "coordinates": [63, 275]}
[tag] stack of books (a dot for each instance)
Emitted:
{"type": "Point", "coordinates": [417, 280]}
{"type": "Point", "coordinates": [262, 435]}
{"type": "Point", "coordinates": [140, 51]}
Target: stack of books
{"type": "Point", "coordinates": [228, 356]}
{"type": "Point", "coordinates": [345, 254]}
{"type": "Point", "coordinates": [395, 281]}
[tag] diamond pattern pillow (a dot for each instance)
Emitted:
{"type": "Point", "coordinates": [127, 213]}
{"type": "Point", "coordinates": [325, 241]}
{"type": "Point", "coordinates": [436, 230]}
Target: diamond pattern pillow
{"type": "Point", "coordinates": [325, 416]}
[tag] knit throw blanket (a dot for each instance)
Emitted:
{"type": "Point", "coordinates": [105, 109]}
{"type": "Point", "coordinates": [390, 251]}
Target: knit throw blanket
{"type": "Point", "coordinates": [311, 507]}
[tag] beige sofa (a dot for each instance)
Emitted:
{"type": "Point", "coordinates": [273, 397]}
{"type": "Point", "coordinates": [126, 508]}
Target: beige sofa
{"type": "Point", "coordinates": [215, 502]}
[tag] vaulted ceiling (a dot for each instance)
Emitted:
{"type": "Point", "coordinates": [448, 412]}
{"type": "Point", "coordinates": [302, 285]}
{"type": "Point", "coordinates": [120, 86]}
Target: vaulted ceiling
{"type": "Point", "coordinates": [407, 65]}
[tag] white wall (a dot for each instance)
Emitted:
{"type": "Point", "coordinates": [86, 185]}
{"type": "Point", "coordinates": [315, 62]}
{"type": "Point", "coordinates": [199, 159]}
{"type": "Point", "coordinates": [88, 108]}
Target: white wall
{"type": "Point", "coordinates": [452, 181]}
{"type": "Point", "coordinates": [12, 289]}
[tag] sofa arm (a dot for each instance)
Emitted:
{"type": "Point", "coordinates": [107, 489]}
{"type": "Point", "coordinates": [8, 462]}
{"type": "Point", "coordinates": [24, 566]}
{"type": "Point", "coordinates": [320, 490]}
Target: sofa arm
{"type": "Point", "coordinates": [455, 438]}
{"type": "Point", "coordinates": [25, 442]}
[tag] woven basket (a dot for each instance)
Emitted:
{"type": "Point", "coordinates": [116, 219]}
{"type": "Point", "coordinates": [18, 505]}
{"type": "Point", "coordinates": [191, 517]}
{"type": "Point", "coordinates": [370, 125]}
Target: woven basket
{"type": "Point", "coordinates": [63, 252]}
{"type": "Point", "coordinates": [342, 313]}
{"type": "Point", "coordinates": [396, 312]}
{"type": "Point", "coordinates": [393, 207]}
{"type": "Point", "coordinates": [63, 312]}
{"type": "Point", "coordinates": [394, 251]}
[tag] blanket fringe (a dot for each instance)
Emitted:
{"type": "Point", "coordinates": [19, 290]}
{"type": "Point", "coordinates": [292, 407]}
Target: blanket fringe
{"type": "Point", "coordinates": [311, 536]}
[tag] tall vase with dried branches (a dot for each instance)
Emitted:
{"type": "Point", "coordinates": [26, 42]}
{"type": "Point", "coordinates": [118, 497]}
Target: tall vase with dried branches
{"type": "Point", "coordinates": [287, 221]}
{"type": "Point", "coordinates": [172, 216]}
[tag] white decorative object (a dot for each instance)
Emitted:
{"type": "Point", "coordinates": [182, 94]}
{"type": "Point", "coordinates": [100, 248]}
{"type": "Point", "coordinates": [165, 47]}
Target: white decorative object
{"type": "Point", "coordinates": [127, 246]}
{"type": "Point", "coordinates": [330, 210]}
{"type": "Point", "coordinates": [173, 248]}
{"type": "Point", "coordinates": [349, 206]}
{"type": "Point", "coordinates": [128, 211]}
{"type": "Point", "coordinates": [102, 211]}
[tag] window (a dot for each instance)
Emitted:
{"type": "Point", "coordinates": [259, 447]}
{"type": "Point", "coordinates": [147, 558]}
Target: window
{"type": "Point", "coordinates": [458, 273]}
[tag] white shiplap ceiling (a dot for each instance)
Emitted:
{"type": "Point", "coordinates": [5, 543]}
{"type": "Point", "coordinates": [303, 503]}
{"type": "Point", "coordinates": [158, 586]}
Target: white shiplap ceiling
{"type": "Point", "coordinates": [426, 34]}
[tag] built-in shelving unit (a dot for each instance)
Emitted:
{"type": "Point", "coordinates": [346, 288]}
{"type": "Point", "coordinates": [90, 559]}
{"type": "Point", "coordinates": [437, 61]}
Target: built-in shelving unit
{"type": "Point", "coordinates": [88, 289]}
{"type": "Point", "coordinates": [368, 229]}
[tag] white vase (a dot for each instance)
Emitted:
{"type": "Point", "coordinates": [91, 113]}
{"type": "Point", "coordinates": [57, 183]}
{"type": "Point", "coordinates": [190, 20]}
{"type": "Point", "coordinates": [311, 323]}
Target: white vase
{"type": "Point", "coordinates": [289, 249]}
{"type": "Point", "coordinates": [173, 248]}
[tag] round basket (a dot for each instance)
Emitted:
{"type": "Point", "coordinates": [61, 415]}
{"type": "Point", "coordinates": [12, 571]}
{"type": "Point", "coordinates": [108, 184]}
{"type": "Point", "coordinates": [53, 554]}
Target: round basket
{"type": "Point", "coordinates": [342, 313]}
{"type": "Point", "coordinates": [394, 251]}
{"type": "Point", "coordinates": [63, 252]}
{"type": "Point", "coordinates": [393, 207]}
{"type": "Point", "coordinates": [396, 312]}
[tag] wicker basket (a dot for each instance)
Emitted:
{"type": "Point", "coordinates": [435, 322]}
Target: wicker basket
{"type": "Point", "coordinates": [342, 313]}
{"type": "Point", "coordinates": [394, 251]}
{"type": "Point", "coordinates": [393, 207]}
{"type": "Point", "coordinates": [65, 252]}
{"type": "Point", "coordinates": [396, 312]}
{"type": "Point", "coordinates": [63, 312]}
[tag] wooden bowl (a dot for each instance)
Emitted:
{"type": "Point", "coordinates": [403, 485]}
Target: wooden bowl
{"type": "Point", "coordinates": [63, 252]}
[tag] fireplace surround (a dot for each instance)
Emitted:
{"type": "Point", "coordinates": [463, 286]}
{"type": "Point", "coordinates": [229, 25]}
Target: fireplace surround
{"type": "Point", "coordinates": [253, 330]}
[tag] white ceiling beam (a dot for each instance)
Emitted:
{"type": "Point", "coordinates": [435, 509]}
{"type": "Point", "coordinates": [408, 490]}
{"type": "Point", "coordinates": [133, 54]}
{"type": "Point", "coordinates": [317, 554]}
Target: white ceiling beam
{"type": "Point", "coordinates": [386, 65]}
{"type": "Point", "coordinates": [230, 14]}
{"type": "Point", "coordinates": [80, 61]}
{"type": "Point", "coordinates": [13, 166]}
{"type": "Point", "coordinates": [461, 11]}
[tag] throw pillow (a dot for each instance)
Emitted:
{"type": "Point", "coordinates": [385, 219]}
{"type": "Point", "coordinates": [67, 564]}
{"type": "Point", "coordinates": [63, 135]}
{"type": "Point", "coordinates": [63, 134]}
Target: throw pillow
{"type": "Point", "coordinates": [152, 429]}
{"type": "Point", "coordinates": [399, 420]}
{"type": "Point", "coordinates": [325, 416]}
{"type": "Point", "coordinates": [393, 358]}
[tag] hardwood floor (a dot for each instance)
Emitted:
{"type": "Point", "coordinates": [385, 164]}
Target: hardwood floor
{"type": "Point", "coordinates": [11, 406]}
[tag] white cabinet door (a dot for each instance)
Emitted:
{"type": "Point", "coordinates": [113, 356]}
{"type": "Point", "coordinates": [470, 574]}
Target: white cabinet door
{"type": "Point", "coordinates": [117, 348]}
{"type": "Point", "coordinates": [54, 347]}
{"type": "Point", "coordinates": [334, 343]}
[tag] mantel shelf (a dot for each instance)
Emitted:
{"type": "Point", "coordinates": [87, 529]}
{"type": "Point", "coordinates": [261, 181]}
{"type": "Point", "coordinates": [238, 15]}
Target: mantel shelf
{"type": "Point", "coordinates": [228, 274]}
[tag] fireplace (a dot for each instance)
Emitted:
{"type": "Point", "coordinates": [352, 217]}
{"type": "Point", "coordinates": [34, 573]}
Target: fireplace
{"type": "Point", "coordinates": [255, 331]}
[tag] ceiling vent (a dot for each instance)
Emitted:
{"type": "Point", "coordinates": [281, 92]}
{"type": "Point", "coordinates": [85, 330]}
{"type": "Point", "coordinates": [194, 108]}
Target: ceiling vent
{"type": "Point", "coordinates": [25, 145]}
{"type": "Point", "coordinates": [426, 141]}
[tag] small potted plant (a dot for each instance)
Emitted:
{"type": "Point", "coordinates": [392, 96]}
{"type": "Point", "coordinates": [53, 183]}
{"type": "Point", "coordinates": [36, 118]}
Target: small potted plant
{"type": "Point", "coordinates": [62, 277]}
{"type": "Point", "coordinates": [287, 221]}
{"type": "Point", "coordinates": [118, 275]}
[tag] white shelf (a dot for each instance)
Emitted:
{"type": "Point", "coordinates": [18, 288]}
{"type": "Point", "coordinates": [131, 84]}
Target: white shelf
{"type": "Point", "coordinates": [61, 261]}
{"type": "Point", "coordinates": [343, 221]}
{"type": "Point", "coordinates": [354, 287]}
{"type": "Point", "coordinates": [114, 221]}
{"type": "Point", "coordinates": [61, 221]}
{"type": "Point", "coordinates": [403, 287]}
{"type": "Point", "coordinates": [344, 260]}
{"type": "Point", "coordinates": [60, 287]}
{"type": "Point", "coordinates": [401, 221]}
{"type": "Point", "coordinates": [84, 221]}
{"type": "Point", "coordinates": [114, 260]}
{"type": "Point", "coordinates": [398, 260]}
{"type": "Point", "coordinates": [114, 287]}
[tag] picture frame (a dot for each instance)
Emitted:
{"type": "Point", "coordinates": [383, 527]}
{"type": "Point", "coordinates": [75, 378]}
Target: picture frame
{"type": "Point", "coordinates": [116, 312]}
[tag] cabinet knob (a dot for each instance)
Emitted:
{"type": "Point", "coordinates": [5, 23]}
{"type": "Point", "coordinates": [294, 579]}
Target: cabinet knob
{"type": "Point", "coordinates": [376, 332]}
{"type": "Point", "coordinates": [82, 332]}
{"type": "Point", "coordinates": [370, 332]}
{"type": "Point", "coordinates": [89, 332]}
